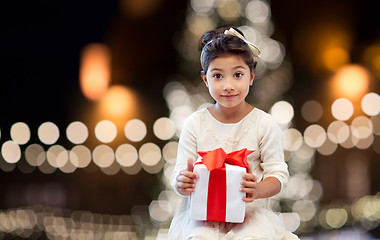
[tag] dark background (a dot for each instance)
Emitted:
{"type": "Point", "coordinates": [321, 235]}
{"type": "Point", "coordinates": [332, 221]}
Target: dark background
{"type": "Point", "coordinates": [40, 45]}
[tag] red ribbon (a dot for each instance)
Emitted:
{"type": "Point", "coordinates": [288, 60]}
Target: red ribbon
{"type": "Point", "coordinates": [217, 190]}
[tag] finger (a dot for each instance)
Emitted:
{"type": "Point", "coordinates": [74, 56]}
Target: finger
{"type": "Point", "coordinates": [249, 168]}
{"type": "Point", "coordinates": [248, 184]}
{"type": "Point", "coordinates": [248, 199]}
{"type": "Point", "coordinates": [190, 175]}
{"type": "Point", "coordinates": [186, 179]}
{"type": "Point", "coordinates": [249, 177]}
{"type": "Point", "coordinates": [185, 185]}
{"type": "Point", "coordinates": [190, 164]}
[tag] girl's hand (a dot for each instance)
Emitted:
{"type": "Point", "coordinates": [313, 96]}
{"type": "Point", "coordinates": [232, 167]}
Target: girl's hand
{"type": "Point", "coordinates": [186, 179]}
{"type": "Point", "coordinates": [250, 186]}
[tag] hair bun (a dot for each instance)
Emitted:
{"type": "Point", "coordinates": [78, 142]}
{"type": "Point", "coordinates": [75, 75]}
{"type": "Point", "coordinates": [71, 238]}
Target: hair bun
{"type": "Point", "coordinates": [210, 35]}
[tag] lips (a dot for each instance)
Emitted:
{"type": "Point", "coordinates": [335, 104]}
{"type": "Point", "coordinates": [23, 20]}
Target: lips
{"type": "Point", "coordinates": [229, 96]}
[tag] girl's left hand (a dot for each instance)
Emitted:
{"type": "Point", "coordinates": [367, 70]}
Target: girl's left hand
{"type": "Point", "coordinates": [249, 185]}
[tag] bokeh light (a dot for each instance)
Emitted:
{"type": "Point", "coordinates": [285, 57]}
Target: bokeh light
{"type": "Point", "coordinates": [11, 151]}
{"type": "Point", "coordinates": [306, 209]}
{"type": "Point", "coordinates": [160, 211]}
{"type": "Point", "coordinates": [95, 73]}
{"type": "Point", "coordinates": [272, 53]}
{"type": "Point", "coordinates": [376, 124]}
{"type": "Point", "coordinates": [48, 133]}
{"type": "Point", "coordinates": [150, 154]}
{"type": "Point", "coordinates": [77, 132]}
{"type": "Point", "coordinates": [338, 131]}
{"type": "Point", "coordinates": [169, 152]}
{"type": "Point", "coordinates": [283, 112]}
{"type": "Point", "coordinates": [80, 156]}
{"type": "Point", "coordinates": [135, 130]}
{"type": "Point", "coordinates": [361, 127]}
{"type": "Point", "coordinates": [311, 111]}
{"type": "Point", "coordinates": [229, 10]}
{"type": "Point", "coordinates": [113, 169]}
{"type": "Point", "coordinates": [35, 154]}
{"type": "Point", "coordinates": [336, 217]}
{"type": "Point", "coordinates": [327, 148]}
{"type": "Point", "coordinates": [118, 102]}
{"type": "Point", "coordinates": [202, 6]}
{"type": "Point", "coordinates": [57, 156]}
{"type": "Point", "coordinates": [103, 156]}
{"type": "Point", "coordinates": [164, 128]}
{"type": "Point", "coordinates": [257, 11]}
{"type": "Point", "coordinates": [105, 131]}
{"type": "Point", "coordinates": [126, 155]}
{"type": "Point", "coordinates": [351, 82]}
{"type": "Point", "coordinates": [342, 109]}
{"type": "Point", "coordinates": [20, 133]}
{"type": "Point", "coordinates": [371, 104]}
{"type": "Point", "coordinates": [335, 57]}
{"type": "Point", "coordinates": [292, 139]}
{"type": "Point", "coordinates": [314, 136]}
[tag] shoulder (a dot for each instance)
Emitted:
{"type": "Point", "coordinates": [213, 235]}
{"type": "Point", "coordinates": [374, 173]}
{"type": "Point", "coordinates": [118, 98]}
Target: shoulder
{"type": "Point", "coordinates": [265, 120]}
{"type": "Point", "coordinates": [263, 116]}
{"type": "Point", "coordinates": [199, 115]}
{"type": "Point", "coordinates": [194, 119]}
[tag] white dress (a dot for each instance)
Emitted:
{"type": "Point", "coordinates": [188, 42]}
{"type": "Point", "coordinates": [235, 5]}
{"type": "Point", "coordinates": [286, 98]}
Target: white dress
{"type": "Point", "coordinates": [257, 131]}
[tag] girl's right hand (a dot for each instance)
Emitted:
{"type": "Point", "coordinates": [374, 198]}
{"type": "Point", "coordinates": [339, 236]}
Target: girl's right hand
{"type": "Point", "coordinates": [186, 179]}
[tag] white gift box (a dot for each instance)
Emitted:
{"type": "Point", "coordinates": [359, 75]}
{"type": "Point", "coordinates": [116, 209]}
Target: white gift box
{"type": "Point", "coordinates": [217, 195]}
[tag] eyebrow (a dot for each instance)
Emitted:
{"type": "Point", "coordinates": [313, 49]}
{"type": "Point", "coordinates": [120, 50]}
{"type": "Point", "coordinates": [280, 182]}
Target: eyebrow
{"type": "Point", "coordinates": [219, 69]}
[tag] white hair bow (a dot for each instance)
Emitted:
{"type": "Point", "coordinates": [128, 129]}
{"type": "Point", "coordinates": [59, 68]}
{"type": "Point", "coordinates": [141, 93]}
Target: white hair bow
{"type": "Point", "coordinates": [255, 50]}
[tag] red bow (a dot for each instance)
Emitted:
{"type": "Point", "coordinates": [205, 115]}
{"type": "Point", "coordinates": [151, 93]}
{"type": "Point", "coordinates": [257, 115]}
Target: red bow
{"type": "Point", "coordinates": [216, 158]}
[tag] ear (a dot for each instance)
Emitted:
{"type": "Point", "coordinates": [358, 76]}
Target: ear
{"type": "Point", "coordinates": [204, 78]}
{"type": "Point", "coordinates": [252, 77]}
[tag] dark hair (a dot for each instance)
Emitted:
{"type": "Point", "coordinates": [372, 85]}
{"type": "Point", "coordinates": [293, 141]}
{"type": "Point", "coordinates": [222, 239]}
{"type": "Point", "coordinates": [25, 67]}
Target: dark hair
{"type": "Point", "coordinates": [215, 43]}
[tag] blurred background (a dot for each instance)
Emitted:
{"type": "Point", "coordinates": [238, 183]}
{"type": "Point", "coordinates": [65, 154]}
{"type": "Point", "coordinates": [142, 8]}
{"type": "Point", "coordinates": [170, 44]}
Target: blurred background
{"type": "Point", "coordinates": [93, 95]}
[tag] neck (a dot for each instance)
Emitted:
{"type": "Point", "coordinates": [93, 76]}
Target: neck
{"type": "Point", "coordinates": [230, 115]}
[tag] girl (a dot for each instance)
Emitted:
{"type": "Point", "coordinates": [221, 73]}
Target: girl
{"type": "Point", "coordinates": [228, 70]}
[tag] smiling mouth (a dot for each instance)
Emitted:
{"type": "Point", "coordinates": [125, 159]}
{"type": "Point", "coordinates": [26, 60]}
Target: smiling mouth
{"type": "Point", "coordinates": [229, 96]}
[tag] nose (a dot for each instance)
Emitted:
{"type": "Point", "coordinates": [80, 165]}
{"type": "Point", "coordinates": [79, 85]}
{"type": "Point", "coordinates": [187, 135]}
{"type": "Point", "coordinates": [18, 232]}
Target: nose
{"type": "Point", "coordinates": [228, 85]}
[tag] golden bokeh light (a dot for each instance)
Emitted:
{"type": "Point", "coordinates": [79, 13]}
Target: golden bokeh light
{"type": "Point", "coordinates": [351, 82]}
{"type": "Point", "coordinates": [95, 70]}
{"type": "Point", "coordinates": [371, 58]}
{"type": "Point", "coordinates": [118, 102]}
{"type": "Point", "coordinates": [335, 57]}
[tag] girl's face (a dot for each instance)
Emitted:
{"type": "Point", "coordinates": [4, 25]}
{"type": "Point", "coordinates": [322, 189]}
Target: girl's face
{"type": "Point", "coordinates": [228, 79]}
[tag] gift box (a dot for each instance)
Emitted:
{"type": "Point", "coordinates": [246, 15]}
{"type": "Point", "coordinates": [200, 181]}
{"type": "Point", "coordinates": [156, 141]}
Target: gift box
{"type": "Point", "coordinates": [217, 196]}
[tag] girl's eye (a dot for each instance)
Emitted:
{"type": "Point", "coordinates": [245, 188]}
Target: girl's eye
{"type": "Point", "coordinates": [238, 75]}
{"type": "Point", "coordinates": [218, 76]}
